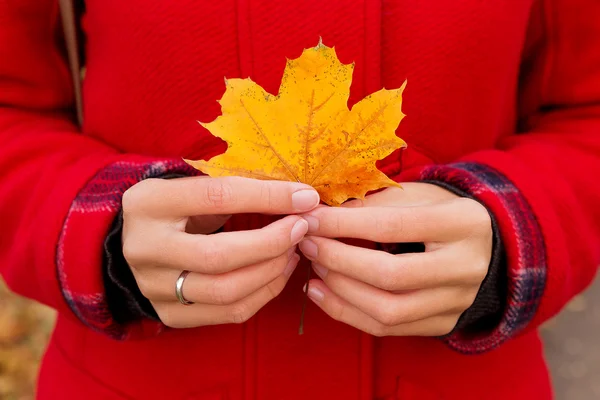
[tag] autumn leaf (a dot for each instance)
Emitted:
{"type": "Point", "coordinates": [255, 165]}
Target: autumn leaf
{"type": "Point", "coordinates": [306, 133]}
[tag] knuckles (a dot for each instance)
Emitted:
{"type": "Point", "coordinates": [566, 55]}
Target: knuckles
{"type": "Point", "coordinates": [165, 315]}
{"type": "Point", "coordinates": [388, 317]}
{"type": "Point", "coordinates": [388, 280]}
{"type": "Point", "coordinates": [391, 316]}
{"type": "Point", "coordinates": [378, 331]}
{"type": "Point", "coordinates": [146, 286]}
{"type": "Point", "coordinates": [136, 196]}
{"type": "Point", "coordinates": [276, 287]}
{"type": "Point", "coordinates": [480, 270]}
{"type": "Point", "coordinates": [270, 197]}
{"type": "Point", "coordinates": [468, 300]}
{"type": "Point", "coordinates": [218, 193]}
{"type": "Point", "coordinates": [445, 327]}
{"type": "Point", "coordinates": [239, 313]}
{"type": "Point", "coordinates": [133, 251]}
{"type": "Point", "coordinates": [479, 220]}
{"type": "Point", "coordinates": [389, 276]}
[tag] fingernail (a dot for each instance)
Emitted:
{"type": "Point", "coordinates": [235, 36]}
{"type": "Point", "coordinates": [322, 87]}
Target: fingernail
{"type": "Point", "coordinates": [315, 294]}
{"type": "Point", "coordinates": [313, 223]}
{"type": "Point", "coordinates": [291, 265]}
{"type": "Point", "coordinates": [299, 230]}
{"type": "Point", "coordinates": [305, 200]}
{"type": "Point", "coordinates": [309, 248]}
{"type": "Point", "coordinates": [320, 270]}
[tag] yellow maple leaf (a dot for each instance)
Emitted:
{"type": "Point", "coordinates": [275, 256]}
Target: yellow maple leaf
{"type": "Point", "coordinates": [307, 133]}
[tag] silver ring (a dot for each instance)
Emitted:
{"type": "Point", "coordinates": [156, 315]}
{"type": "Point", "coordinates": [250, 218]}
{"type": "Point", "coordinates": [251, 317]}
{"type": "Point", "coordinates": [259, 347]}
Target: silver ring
{"type": "Point", "coordinates": [179, 289]}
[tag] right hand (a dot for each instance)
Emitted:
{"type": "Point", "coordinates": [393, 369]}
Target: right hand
{"type": "Point", "coordinates": [166, 229]}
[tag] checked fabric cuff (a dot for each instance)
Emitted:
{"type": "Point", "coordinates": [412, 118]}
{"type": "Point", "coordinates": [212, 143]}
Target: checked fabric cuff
{"type": "Point", "coordinates": [519, 230]}
{"type": "Point", "coordinates": [80, 256]}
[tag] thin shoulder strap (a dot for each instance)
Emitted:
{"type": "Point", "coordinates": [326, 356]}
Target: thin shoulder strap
{"type": "Point", "coordinates": [67, 12]}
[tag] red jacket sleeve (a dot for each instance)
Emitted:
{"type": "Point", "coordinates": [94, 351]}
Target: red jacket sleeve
{"type": "Point", "coordinates": [541, 183]}
{"type": "Point", "coordinates": [60, 190]}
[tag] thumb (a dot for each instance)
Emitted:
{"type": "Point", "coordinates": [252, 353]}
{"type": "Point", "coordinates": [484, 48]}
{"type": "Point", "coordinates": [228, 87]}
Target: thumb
{"type": "Point", "coordinates": [411, 194]}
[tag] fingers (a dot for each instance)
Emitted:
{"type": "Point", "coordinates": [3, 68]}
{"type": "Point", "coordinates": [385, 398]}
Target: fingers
{"type": "Point", "coordinates": [228, 195]}
{"type": "Point", "coordinates": [340, 310]}
{"type": "Point", "coordinates": [387, 271]}
{"type": "Point", "coordinates": [175, 315]}
{"type": "Point", "coordinates": [157, 284]}
{"type": "Point", "coordinates": [398, 308]}
{"type": "Point", "coordinates": [446, 221]}
{"type": "Point", "coordinates": [222, 252]}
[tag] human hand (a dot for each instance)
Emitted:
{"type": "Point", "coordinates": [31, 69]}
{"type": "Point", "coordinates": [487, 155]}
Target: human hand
{"type": "Point", "coordinates": [166, 226]}
{"type": "Point", "coordinates": [413, 294]}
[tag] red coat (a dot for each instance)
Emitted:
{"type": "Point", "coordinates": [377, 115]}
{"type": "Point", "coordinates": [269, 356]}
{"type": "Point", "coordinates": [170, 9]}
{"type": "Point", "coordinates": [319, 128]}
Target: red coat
{"type": "Point", "coordinates": [511, 88]}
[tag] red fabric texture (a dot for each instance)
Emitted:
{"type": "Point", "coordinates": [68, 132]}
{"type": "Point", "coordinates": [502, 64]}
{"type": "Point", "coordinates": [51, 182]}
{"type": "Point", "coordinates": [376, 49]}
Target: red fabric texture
{"type": "Point", "coordinates": [513, 86]}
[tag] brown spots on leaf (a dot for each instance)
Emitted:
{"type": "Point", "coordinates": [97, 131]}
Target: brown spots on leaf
{"type": "Point", "coordinates": [306, 132]}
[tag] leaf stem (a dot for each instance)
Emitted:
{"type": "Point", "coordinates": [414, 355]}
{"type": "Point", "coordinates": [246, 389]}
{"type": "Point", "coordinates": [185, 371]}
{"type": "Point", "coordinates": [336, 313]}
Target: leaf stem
{"type": "Point", "coordinates": [304, 301]}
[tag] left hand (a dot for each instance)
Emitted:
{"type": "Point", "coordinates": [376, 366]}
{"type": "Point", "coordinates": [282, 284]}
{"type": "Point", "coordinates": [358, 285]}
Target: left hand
{"type": "Point", "coordinates": [412, 294]}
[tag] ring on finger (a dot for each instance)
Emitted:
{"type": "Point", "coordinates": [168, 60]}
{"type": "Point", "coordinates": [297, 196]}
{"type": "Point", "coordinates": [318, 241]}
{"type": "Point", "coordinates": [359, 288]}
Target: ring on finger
{"type": "Point", "coordinates": [179, 288]}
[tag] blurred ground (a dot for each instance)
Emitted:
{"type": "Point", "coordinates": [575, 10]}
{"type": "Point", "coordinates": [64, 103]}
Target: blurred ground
{"type": "Point", "coordinates": [572, 346]}
{"type": "Point", "coordinates": [24, 328]}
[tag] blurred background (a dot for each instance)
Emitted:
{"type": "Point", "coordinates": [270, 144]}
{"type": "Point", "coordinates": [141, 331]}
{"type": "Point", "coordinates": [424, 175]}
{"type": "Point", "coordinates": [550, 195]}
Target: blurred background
{"type": "Point", "coordinates": [572, 346]}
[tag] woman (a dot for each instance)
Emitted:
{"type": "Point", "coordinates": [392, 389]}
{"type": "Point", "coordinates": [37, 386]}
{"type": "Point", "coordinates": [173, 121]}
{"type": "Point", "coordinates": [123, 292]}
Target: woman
{"type": "Point", "coordinates": [503, 128]}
